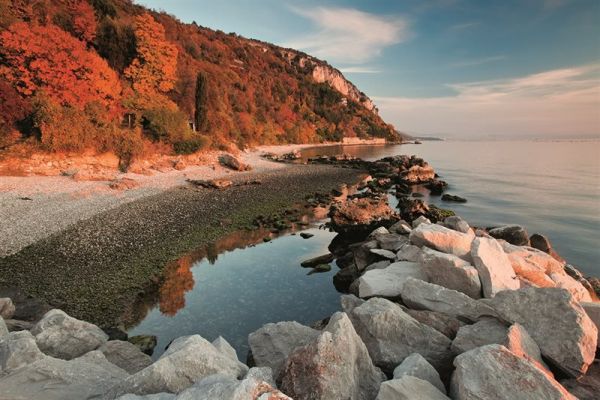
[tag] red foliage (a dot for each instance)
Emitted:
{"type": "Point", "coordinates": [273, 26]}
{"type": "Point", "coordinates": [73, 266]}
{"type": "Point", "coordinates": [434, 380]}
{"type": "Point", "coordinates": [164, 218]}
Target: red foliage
{"type": "Point", "coordinates": [47, 58]}
{"type": "Point", "coordinates": [84, 20]}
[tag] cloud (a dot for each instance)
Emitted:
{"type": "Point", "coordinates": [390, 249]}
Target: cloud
{"type": "Point", "coordinates": [464, 26]}
{"type": "Point", "coordinates": [561, 102]}
{"type": "Point", "coordinates": [359, 70]}
{"type": "Point", "coordinates": [478, 61]}
{"type": "Point", "coordinates": [347, 35]}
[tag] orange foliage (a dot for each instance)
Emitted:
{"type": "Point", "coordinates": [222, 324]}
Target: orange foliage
{"type": "Point", "coordinates": [84, 20]}
{"type": "Point", "coordinates": [47, 58]}
{"type": "Point", "coordinates": [153, 71]}
{"type": "Point", "coordinates": [178, 281]}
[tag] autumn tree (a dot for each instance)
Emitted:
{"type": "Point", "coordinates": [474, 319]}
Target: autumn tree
{"type": "Point", "coordinates": [115, 42]}
{"type": "Point", "coordinates": [153, 71]}
{"type": "Point", "coordinates": [84, 20]}
{"type": "Point", "coordinates": [34, 58]}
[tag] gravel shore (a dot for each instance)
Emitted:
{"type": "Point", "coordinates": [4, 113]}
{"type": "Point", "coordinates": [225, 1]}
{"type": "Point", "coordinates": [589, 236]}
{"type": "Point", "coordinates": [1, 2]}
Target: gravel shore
{"type": "Point", "coordinates": [96, 266]}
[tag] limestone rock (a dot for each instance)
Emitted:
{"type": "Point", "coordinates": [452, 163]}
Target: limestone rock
{"type": "Point", "coordinates": [229, 161]}
{"type": "Point", "coordinates": [557, 323]}
{"type": "Point", "coordinates": [409, 388]}
{"type": "Point", "coordinates": [564, 281]}
{"type": "Point", "coordinates": [443, 239]}
{"type": "Point", "coordinates": [401, 227]}
{"type": "Point", "coordinates": [86, 377]}
{"type": "Point", "coordinates": [379, 265]}
{"type": "Point", "coordinates": [451, 272]}
{"type": "Point", "coordinates": [223, 387]}
{"type": "Point", "coordinates": [494, 267]}
{"type": "Point", "coordinates": [391, 335]}
{"type": "Point", "coordinates": [409, 252]}
{"type": "Point", "coordinates": [7, 308]}
{"type": "Point", "coordinates": [3, 328]}
{"type": "Point", "coordinates": [422, 295]}
{"type": "Point", "coordinates": [493, 372]}
{"type": "Point", "coordinates": [336, 365]}
{"type": "Point", "coordinates": [593, 311]}
{"type": "Point", "coordinates": [457, 223]}
{"type": "Point", "coordinates": [349, 302]}
{"type": "Point", "coordinates": [187, 360]}
{"type": "Point", "coordinates": [420, 220]}
{"type": "Point", "coordinates": [18, 349]}
{"type": "Point", "coordinates": [484, 332]}
{"type": "Point", "coordinates": [61, 336]}
{"type": "Point", "coordinates": [520, 343]}
{"type": "Point", "coordinates": [415, 365]}
{"type": "Point", "coordinates": [513, 234]}
{"type": "Point", "coordinates": [443, 323]}
{"type": "Point", "coordinates": [388, 282]}
{"type": "Point", "coordinates": [360, 216]}
{"type": "Point", "coordinates": [264, 374]}
{"type": "Point", "coordinates": [384, 253]}
{"type": "Point", "coordinates": [224, 347]}
{"type": "Point", "coordinates": [125, 355]}
{"type": "Point", "coordinates": [273, 343]}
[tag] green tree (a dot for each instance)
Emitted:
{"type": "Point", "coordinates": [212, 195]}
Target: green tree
{"type": "Point", "coordinates": [201, 106]}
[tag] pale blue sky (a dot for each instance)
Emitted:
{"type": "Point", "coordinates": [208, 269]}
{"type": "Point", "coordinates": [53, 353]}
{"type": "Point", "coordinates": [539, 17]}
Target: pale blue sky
{"type": "Point", "coordinates": [448, 67]}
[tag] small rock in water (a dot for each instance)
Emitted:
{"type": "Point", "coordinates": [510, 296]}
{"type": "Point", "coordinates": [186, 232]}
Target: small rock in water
{"type": "Point", "coordinates": [540, 242]}
{"type": "Point", "coordinates": [453, 198]}
{"type": "Point", "coordinates": [313, 262]}
{"type": "Point", "coordinates": [306, 235]}
{"type": "Point", "coordinates": [320, 268]}
{"type": "Point", "coordinates": [513, 234]}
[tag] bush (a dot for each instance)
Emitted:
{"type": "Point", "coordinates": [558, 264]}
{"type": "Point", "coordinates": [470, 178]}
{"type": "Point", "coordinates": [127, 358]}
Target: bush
{"type": "Point", "coordinates": [191, 145]}
{"type": "Point", "coordinates": [169, 126]}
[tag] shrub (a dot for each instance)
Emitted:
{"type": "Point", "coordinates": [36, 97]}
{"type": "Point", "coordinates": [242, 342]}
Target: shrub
{"type": "Point", "coordinates": [191, 145]}
{"type": "Point", "coordinates": [166, 125]}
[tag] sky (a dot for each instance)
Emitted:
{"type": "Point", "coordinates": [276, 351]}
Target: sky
{"type": "Point", "coordinates": [450, 68]}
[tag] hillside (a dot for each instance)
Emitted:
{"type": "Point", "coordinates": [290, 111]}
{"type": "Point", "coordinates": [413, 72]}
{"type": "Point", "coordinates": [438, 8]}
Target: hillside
{"type": "Point", "coordinates": [113, 76]}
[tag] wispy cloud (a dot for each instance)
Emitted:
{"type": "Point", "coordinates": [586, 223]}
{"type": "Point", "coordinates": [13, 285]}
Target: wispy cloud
{"type": "Point", "coordinates": [556, 102]}
{"type": "Point", "coordinates": [347, 35]}
{"type": "Point", "coordinates": [359, 70]}
{"type": "Point", "coordinates": [464, 26]}
{"type": "Point", "coordinates": [477, 61]}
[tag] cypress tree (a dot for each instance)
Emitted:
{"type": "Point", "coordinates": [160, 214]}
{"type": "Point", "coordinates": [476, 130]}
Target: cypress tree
{"type": "Point", "coordinates": [201, 106]}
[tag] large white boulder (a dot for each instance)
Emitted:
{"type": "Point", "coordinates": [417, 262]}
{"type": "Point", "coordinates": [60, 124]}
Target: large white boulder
{"type": "Point", "coordinates": [422, 295]}
{"type": "Point", "coordinates": [18, 349]}
{"type": "Point", "coordinates": [494, 267]}
{"type": "Point", "coordinates": [409, 388]}
{"type": "Point", "coordinates": [391, 335]}
{"type": "Point", "coordinates": [336, 365]}
{"type": "Point", "coordinates": [224, 347]}
{"type": "Point", "coordinates": [443, 239]}
{"type": "Point", "coordinates": [559, 325]}
{"type": "Point", "coordinates": [187, 360]}
{"type": "Point", "coordinates": [493, 372]}
{"type": "Point", "coordinates": [388, 282]}
{"type": "Point", "coordinates": [272, 343]}
{"type": "Point", "coordinates": [451, 272]}
{"type": "Point", "coordinates": [416, 365]}
{"type": "Point", "coordinates": [61, 336]}
{"type": "Point", "coordinates": [86, 377]}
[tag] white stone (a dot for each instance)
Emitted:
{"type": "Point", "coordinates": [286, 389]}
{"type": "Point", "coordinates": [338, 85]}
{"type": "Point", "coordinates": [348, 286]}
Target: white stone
{"type": "Point", "coordinates": [420, 220]}
{"type": "Point", "coordinates": [390, 255]}
{"type": "Point", "coordinates": [409, 388]}
{"type": "Point", "coordinates": [224, 387]}
{"type": "Point", "coordinates": [18, 349]}
{"type": "Point", "coordinates": [417, 366]}
{"type": "Point", "coordinates": [224, 347]}
{"type": "Point", "coordinates": [409, 252]}
{"type": "Point", "coordinates": [494, 267]}
{"type": "Point", "coordinates": [389, 281]}
{"type": "Point", "coordinates": [451, 272]}
{"type": "Point", "coordinates": [443, 239]}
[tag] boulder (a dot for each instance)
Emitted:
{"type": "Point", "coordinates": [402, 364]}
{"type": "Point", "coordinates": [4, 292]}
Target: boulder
{"type": "Point", "coordinates": [61, 336]}
{"type": "Point", "coordinates": [493, 372]}
{"type": "Point", "coordinates": [401, 227]}
{"type": "Point", "coordinates": [520, 343]}
{"type": "Point", "coordinates": [420, 220]}
{"type": "Point", "coordinates": [409, 252]}
{"type": "Point", "coordinates": [513, 234]}
{"type": "Point", "coordinates": [349, 302]}
{"type": "Point", "coordinates": [586, 387]}
{"type": "Point", "coordinates": [224, 347]}
{"type": "Point", "coordinates": [86, 377]}
{"type": "Point", "coordinates": [7, 308]}
{"type": "Point", "coordinates": [272, 344]}
{"type": "Point", "coordinates": [457, 223]}
{"type": "Point", "coordinates": [443, 323]}
{"type": "Point", "coordinates": [224, 387]}
{"type": "Point", "coordinates": [125, 355]}
{"type": "Point", "coordinates": [422, 295]}
{"type": "Point", "coordinates": [335, 365]}
{"type": "Point", "coordinates": [360, 216]}
{"type": "Point", "coordinates": [451, 271]}
{"type": "Point", "coordinates": [481, 333]}
{"type": "Point", "coordinates": [564, 281]}
{"type": "Point", "coordinates": [379, 265]}
{"type": "Point", "coordinates": [313, 262]}
{"type": "Point", "coordinates": [3, 329]}
{"type": "Point", "coordinates": [453, 198]}
{"type": "Point", "coordinates": [566, 336]}
{"type": "Point", "coordinates": [187, 360]}
{"type": "Point", "coordinates": [390, 255]}
{"type": "Point", "coordinates": [391, 335]}
{"type": "Point", "coordinates": [417, 366]}
{"type": "Point", "coordinates": [362, 254]}
{"type": "Point", "coordinates": [593, 311]}
{"type": "Point", "coordinates": [391, 241]}
{"type": "Point", "coordinates": [388, 282]}
{"type": "Point", "coordinates": [540, 242]}
{"type": "Point", "coordinates": [443, 239]}
{"type": "Point", "coordinates": [264, 374]}
{"type": "Point", "coordinates": [418, 174]}
{"type": "Point", "coordinates": [494, 267]}
{"type": "Point", "coordinates": [409, 388]}
{"type": "Point", "coordinates": [229, 161]}
{"type": "Point", "coordinates": [18, 349]}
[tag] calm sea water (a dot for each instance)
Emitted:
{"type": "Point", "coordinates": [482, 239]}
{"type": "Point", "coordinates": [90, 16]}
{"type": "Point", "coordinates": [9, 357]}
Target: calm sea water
{"type": "Point", "coordinates": [549, 187]}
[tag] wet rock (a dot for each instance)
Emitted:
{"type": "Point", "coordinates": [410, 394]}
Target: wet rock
{"type": "Point", "coordinates": [411, 209]}
{"type": "Point", "coordinates": [513, 234]}
{"type": "Point", "coordinates": [125, 355]}
{"type": "Point", "coordinates": [229, 161]}
{"type": "Point", "coordinates": [418, 174]}
{"type": "Point", "coordinates": [391, 335]}
{"type": "Point", "coordinates": [361, 216]}
{"type": "Point", "coordinates": [187, 360]}
{"type": "Point", "coordinates": [493, 372]}
{"type": "Point", "coordinates": [146, 343]}
{"type": "Point", "coordinates": [313, 262]}
{"type": "Point", "coordinates": [306, 235]}
{"type": "Point", "coordinates": [61, 336]}
{"type": "Point", "coordinates": [86, 377]}
{"type": "Point", "coordinates": [409, 388]}
{"type": "Point", "coordinates": [441, 322]}
{"type": "Point", "coordinates": [420, 220]}
{"type": "Point", "coordinates": [388, 282]}
{"type": "Point", "coordinates": [7, 308]}
{"type": "Point", "coordinates": [540, 242]}
{"type": "Point", "coordinates": [335, 365]}
{"type": "Point", "coordinates": [443, 239]}
{"type": "Point", "coordinates": [345, 277]}
{"type": "Point", "coordinates": [417, 366]}
{"type": "Point", "coordinates": [115, 333]}
{"type": "Point", "coordinates": [222, 387]}
{"type": "Point", "coordinates": [494, 267]}
{"type": "Point", "coordinates": [271, 344]}
{"type": "Point", "coordinates": [453, 198]}
{"type": "Point", "coordinates": [422, 295]}
{"type": "Point", "coordinates": [18, 349]}
{"type": "Point", "coordinates": [451, 271]}
{"type": "Point", "coordinates": [571, 346]}
{"type": "Point", "coordinates": [436, 187]}
{"type": "Point", "coordinates": [320, 268]}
